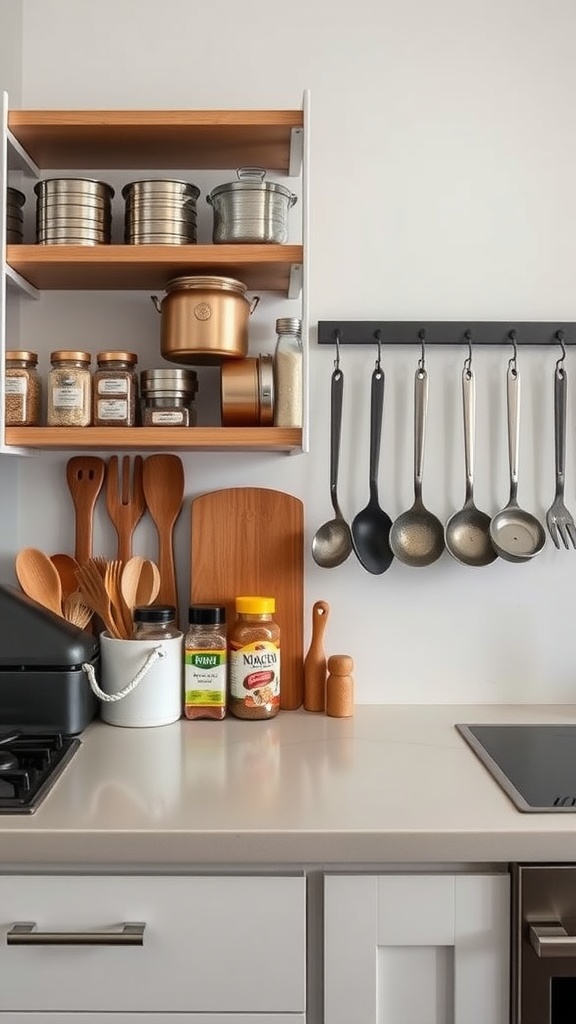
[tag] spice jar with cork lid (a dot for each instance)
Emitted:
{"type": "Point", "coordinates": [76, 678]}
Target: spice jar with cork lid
{"type": "Point", "coordinates": [254, 659]}
{"type": "Point", "coordinates": [22, 389]}
{"type": "Point", "coordinates": [340, 686]}
{"type": "Point", "coordinates": [69, 389]}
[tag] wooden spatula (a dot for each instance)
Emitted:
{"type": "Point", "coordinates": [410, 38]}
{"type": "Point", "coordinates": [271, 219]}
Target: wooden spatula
{"type": "Point", "coordinates": [84, 476]}
{"type": "Point", "coordinates": [163, 479]}
{"type": "Point", "coordinates": [126, 504]}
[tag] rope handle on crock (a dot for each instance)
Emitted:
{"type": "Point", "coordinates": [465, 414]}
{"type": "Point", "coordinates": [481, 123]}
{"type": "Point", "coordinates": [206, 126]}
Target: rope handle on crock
{"type": "Point", "coordinates": [156, 653]}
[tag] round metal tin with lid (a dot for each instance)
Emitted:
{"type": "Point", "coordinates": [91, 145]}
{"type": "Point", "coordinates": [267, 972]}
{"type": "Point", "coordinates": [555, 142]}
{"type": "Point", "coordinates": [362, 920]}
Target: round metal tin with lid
{"type": "Point", "coordinates": [247, 392]}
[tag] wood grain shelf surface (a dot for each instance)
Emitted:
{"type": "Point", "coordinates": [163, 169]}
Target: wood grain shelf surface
{"type": "Point", "coordinates": [134, 267]}
{"type": "Point", "coordinates": [123, 139]}
{"type": "Point", "coordinates": [225, 439]}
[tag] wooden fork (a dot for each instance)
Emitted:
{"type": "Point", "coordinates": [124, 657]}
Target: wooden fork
{"type": "Point", "coordinates": [92, 587]}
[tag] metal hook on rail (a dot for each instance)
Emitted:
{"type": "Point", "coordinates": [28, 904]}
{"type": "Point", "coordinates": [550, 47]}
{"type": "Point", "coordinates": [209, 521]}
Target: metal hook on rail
{"type": "Point", "coordinates": [422, 360]}
{"type": "Point", "coordinates": [378, 339]}
{"type": "Point", "coordinates": [513, 361]}
{"type": "Point", "coordinates": [560, 362]}
{"type": "Point", "coordinates": [468, 360]}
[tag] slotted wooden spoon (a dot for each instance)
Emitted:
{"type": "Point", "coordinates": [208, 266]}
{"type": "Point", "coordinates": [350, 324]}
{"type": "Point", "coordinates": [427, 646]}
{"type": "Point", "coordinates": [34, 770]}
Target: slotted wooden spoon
{"type": "Point", "coordinates": [163, 478]}
{"type": "Point", "coordinates": [84, 476]}
{"type": "Point", "coordinates": [126, 503]}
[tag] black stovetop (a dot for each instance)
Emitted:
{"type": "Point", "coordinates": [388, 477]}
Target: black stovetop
{"type": "Point", "coordinates": [30, 764]}
{"type": "Point", "coordinates": [534, 764]}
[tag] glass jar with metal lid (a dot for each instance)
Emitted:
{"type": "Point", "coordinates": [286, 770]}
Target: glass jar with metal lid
{"type": "Point", "coordinates": [168, 397]}
{"type": "Point", "coordinates": [288, 372]}
{"type": "Point", "coordinates": [22, 389]}
{"type": "Point", "coordinates": [115, 389]}
{"type": "Point", "coordinates": [69, 389]}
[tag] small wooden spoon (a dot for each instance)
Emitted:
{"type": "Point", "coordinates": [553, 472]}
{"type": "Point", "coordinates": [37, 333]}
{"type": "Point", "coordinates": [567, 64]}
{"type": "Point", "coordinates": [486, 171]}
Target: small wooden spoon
{"type": "Point", "coordinates": [66, 567]}
{"type": "Point", "coordinates": [148, 583]}
{"type": "Point", "coordinates": [39, 578]}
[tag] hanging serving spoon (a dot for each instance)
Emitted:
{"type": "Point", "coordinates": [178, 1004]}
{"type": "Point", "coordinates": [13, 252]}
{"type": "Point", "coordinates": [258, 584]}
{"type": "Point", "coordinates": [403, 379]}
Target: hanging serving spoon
{"type": "Point", "coordinates": [417, 536]}
{"type": "Point", "coordinates": [371, 526]}
{"type": "Point", "coordinates": [467, 532]}
{"type": "Point", "coordinates": [332, 542]}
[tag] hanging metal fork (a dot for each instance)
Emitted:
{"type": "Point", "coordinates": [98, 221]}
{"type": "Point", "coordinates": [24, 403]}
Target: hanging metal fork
{"type": "Point", "coordinates": [559, 521]}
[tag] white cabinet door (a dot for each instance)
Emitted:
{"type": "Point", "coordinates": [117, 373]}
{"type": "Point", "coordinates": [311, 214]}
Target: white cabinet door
{"type": "Point", "coordinates": [212, 945]}
{"type": "Point", "coordinates": [416, 949]}
{"type": "Point", "coordinates": [153, 1018]}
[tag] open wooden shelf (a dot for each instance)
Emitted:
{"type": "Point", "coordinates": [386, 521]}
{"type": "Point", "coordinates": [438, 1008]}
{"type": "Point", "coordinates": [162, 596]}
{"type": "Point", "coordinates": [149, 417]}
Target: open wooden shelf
{"type": "Point", "coordinates": [122, 139]}
{"type": "Point", "coordinates": [133, 267]}
{"type": "Point", "coordinates": [225, 439]}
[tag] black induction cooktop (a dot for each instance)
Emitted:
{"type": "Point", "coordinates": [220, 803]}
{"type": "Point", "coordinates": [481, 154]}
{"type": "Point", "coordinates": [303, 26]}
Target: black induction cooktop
{"type": "Point", "coordinates": [534, 764]}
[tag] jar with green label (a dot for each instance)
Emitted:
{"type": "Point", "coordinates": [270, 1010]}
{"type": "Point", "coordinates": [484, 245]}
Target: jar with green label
{"type": "Point", "coordinates": [205, 662]}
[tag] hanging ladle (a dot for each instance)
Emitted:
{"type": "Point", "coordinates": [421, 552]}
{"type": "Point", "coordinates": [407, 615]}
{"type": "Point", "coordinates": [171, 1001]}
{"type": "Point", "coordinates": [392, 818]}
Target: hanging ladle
{"type": "Point", "coordinates": [517, 535]}
{"type": "Point", "coordinates": [467, 532]}
{"type": "Point", "coordinates": [371, 526]}
{"type": "Point", "coordinates": [332, 542]}
{"type": "Point", "coordinates": [417, 535]}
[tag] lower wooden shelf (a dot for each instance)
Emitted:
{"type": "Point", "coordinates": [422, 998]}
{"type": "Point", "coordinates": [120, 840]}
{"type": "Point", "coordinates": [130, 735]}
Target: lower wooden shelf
{"type": "Point", "coordinates": [273, 439]}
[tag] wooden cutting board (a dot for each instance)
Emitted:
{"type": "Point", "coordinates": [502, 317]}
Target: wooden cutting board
{"type": "Point", "coordinates": [250, 541]}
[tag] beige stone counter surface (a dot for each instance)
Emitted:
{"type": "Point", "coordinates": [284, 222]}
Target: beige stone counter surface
{"type": "Point", "coordinates": [392, 785]}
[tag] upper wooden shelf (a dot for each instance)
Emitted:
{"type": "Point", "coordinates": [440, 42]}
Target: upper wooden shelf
{"type": "Point", "coordinates": [133, 267]}
{"type": "Point", "coordinates": [278, 439]}
{"type": "Point", "coordinates": [128, 139]}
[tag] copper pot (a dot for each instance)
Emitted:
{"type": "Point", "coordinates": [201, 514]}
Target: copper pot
{"type": "Point", "coordinates": [204, 319]}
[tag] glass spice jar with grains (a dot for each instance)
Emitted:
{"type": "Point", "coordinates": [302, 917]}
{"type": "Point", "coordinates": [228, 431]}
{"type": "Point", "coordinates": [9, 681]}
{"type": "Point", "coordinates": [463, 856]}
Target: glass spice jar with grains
{"type": "Point", "coordinates": [115, 387]}
{"type": "Point", "coordinates": [254, 653]}
{"type": "Point", "coordinates": [22, 389]}
{"type": "Point", "coordinates": [69, 389]}
{"type": "Point", "coordinates": [205, 662]}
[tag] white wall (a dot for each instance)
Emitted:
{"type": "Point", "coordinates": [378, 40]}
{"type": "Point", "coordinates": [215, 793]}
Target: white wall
{"type": "Point", "coordinates": [443, 160]}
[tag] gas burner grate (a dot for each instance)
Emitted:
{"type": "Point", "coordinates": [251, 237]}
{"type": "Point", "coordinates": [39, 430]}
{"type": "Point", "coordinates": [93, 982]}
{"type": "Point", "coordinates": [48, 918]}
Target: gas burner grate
{"type": "Point", "coordinates": [39, 761]}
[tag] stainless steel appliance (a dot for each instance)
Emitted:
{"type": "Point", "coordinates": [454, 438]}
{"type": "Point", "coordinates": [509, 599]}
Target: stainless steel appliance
{"type": "Point", "coordinates": [534, 764]}
{"type": "Point", "coordinates": [543, 944]}
{"type": "Point", "coordinates": [30, 764]}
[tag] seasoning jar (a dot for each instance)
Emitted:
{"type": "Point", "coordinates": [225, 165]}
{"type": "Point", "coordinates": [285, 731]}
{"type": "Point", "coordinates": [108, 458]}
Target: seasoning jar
{"type": "Point", "coordinates": [205, 662]}
{"type": "Point", "coordinates": [69, 389]}
{"type": "Point", "coordinates": [155, 622]}
{"type": "Point", "coordinates": [288, 373]}
{"type": "Point", "coordinates": [168, 397]}
{"type": "Point", "coordinates": [254, 653]}
{"type": "Point", "coordinates": [115, 389]}
{"type": "Point", "coordinates": [22, 389]}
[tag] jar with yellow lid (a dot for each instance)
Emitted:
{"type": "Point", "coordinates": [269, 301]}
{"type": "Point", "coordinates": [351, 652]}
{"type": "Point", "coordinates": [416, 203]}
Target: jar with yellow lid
{"type": "Point", "coordinates": [22, 389]}
{"type": "Point", "coordinates": [115, 390]}
{"type": "Point", "coordinates": [69, 389]}
{"type": "Point", "coordinates": [254, 659]}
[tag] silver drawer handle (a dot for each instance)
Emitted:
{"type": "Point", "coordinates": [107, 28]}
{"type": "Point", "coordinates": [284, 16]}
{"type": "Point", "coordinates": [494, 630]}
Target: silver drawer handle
{"type": "Point", "coordinates": [24, 933]}
{"type": "Point", "coordinates": [552, 940]}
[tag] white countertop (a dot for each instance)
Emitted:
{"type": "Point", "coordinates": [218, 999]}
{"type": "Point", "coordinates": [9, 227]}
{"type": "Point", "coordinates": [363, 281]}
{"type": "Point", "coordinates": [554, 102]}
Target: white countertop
{"type": "Point", "coordinates": [392, 785]}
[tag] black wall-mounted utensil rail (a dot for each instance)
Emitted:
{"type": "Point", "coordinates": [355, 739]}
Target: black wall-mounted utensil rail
{"type": "Point", "coordinates": [451, 332]}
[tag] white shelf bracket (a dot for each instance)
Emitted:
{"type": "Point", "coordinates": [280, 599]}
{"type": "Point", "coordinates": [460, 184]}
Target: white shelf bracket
{"type": "Point", "coordinates": [296, 151]}
{"type": "Point", "coordinates": [295, 282]}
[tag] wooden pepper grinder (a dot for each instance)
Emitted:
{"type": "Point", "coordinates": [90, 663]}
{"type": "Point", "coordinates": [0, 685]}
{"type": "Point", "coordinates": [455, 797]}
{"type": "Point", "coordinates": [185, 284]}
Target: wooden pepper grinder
{"type": "Point", "coordinates": [340, 687]}
{"type": "Point", "coordinates": [315, 660]}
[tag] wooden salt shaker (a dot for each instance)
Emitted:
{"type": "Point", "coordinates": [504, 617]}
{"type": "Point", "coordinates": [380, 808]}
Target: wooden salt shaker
{"type": "Point", "coordinates": [340, 687]}
{"type": "Point", "coordinates": [315, 660]}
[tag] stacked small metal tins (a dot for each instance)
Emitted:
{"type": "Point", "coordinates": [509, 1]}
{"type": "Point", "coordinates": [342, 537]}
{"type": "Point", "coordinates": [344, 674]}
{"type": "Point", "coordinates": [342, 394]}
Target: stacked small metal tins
{"type": "Point", "coordinates": [160, 212]}
{"type": "Point", "coordinates": [73, 211]}
{"type": "Point", "coordinates": [14, 216]}
{"type": "Point", "coordinates": [168, 397]}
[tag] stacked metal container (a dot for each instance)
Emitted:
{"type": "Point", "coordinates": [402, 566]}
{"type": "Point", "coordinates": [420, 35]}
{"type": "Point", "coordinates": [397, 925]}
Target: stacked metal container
{"type": "Point", "coordinates": [168, 397]}
{"type": "Point", "coordinates": [73, 211]}
{"type": "Point", "coordinates": [14, 216]}
{"type": "Point", "coordinates": [160, 212]}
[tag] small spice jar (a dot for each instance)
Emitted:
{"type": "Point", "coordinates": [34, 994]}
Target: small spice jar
{"type": "Point", "coordinates": [155, 622]}
{"type": "Point", "coordinates": [168, 397]}
{"type": "Point", "coordinates": [22, 389]}
{"type": "Point", "coordinates": [205, 662]}
{"type": "Point", "coordinates": [69, 389]}
{"type": "Point", "coordinates": [254, 655]}
{"type": "Point", "coordinates": [115, 389]}
{"type": "Point", "coordinates": [288, 373]}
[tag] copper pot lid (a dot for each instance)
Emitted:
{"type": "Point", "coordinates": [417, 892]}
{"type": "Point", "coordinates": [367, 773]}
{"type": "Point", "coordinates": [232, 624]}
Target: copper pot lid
{"type": "Point", "coordinates": [228, 284]}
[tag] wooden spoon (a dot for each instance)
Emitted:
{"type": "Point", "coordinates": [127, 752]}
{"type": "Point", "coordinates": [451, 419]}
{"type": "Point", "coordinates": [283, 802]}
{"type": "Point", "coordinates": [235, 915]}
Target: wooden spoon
{"type": "Point", "coordinates": [66, 567]}
{"type": "Point", "coordinates": [148, 583]}
{"type": "Point", "coordinates": [39, 578]}
{"type": "Point", "coordinates": [163, 479]}
{"type": "Point", "coordinates": [139, 583]}
{"type": "Point", "coordinates": [84, 476]}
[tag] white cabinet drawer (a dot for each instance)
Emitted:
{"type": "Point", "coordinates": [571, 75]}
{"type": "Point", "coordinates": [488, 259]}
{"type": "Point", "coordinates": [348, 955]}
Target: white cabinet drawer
{"type": "Point", "coordinates": [156, 1018]}
{"type": "Point", "coordinates": [211, 944]}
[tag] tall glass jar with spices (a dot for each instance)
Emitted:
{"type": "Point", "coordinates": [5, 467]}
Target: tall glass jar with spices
{"type": "Point", "coordinates": [69, 389]}
{"type": "Point", "coordinates": [254, 659]}
{"type": "Point", "coordinates": [115, 389]}
{"type": "Point", "coordinates": [288, 373]}
{"type": "Point", "coordinates": [22, 389]}
{"type": "Point", "coordinates": [205, 662]}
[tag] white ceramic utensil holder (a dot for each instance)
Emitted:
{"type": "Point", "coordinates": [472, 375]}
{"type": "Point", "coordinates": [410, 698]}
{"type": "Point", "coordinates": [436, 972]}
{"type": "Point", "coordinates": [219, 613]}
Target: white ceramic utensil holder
{"type": "Point", "coordinates": [142, 681]}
